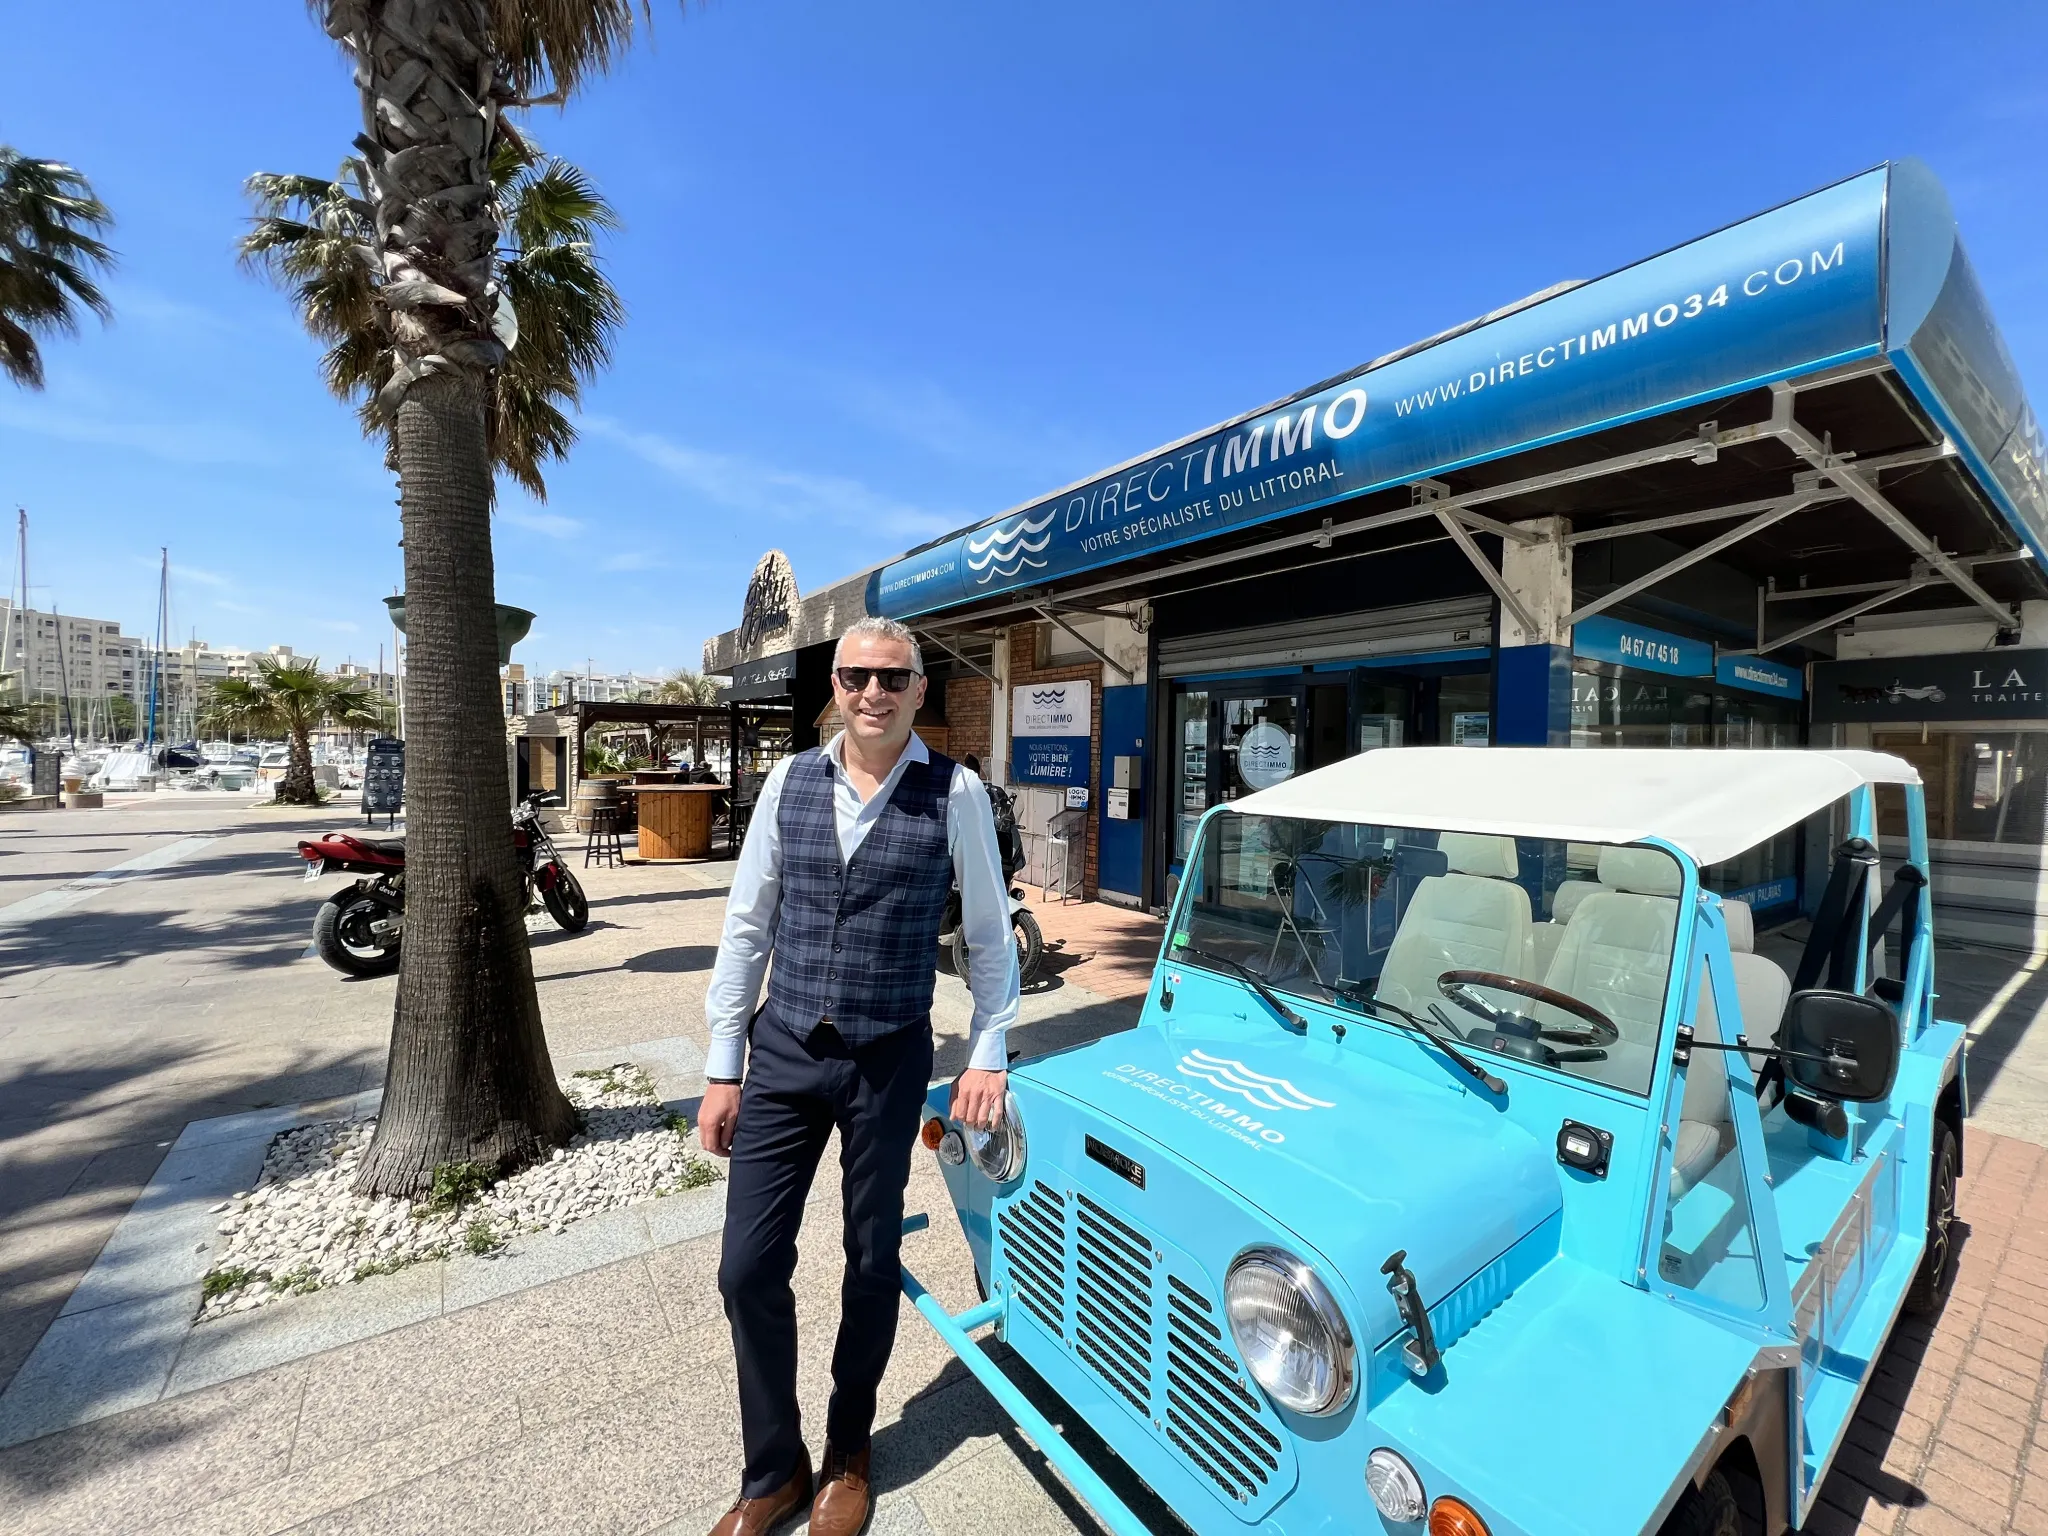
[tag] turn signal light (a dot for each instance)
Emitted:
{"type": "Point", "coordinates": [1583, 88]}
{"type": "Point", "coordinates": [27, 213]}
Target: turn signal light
{"type": "Point", "coordinates": [933, 1133]}
{"type": "Point", "coordinates": [1454, 1517]}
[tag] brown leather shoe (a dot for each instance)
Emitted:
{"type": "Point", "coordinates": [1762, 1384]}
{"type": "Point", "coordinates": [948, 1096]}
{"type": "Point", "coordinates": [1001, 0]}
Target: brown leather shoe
{"type": "Point", "coordinates": [757, 1517]}
{"type": "Point", "coordinates": [841, 1507]}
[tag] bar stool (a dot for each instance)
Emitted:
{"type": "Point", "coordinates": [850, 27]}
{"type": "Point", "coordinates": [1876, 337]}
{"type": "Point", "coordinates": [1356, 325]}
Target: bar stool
{"type": "Point", "coordinates": [601, 844]}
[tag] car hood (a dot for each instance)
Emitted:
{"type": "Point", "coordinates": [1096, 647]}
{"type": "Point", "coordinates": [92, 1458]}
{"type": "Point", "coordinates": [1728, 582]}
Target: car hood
{"type": "Point", "coordinates": [1354, 1158]}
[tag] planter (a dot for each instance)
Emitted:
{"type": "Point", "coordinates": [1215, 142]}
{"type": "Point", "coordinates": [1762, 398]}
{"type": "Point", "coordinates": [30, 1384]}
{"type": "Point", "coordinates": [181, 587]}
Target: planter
{"type": "Point", "coordinates": [513, 623]}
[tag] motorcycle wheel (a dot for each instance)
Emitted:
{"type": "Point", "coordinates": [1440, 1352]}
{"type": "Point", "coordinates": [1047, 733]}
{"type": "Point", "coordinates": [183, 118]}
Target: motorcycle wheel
{"type": "Point", "coordinates": [1030, 946]}
{"type": "Point", "coordinates": [566, 903]}
{"type": "Point", "coordinates": [341, 935]}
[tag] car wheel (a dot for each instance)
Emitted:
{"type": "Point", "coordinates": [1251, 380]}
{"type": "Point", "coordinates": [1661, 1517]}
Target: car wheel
{"type": "Point", "coordinates": [566, 903]}
{"type": "Point", "coordinates": [1937, 1269]}
{"type": "Point", "coordinates": [1708, 1510]}
{"type": "Point", "coordinates": [341, 935]}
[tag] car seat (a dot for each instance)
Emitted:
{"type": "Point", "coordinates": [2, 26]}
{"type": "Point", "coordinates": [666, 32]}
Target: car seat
{"type": "Point", "coordinates": [1544, 938]}
{"type": "Point", "coordinates": [1616, 955]}
{"type": "Point", "coordinates": [1473, 918]}
{"type": "Point", "coordinates": [1706, 1129]}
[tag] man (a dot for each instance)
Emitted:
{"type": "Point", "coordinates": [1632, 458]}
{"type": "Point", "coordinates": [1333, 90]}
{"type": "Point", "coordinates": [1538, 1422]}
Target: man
{"type": "Point", "coordinates": [849, 858]}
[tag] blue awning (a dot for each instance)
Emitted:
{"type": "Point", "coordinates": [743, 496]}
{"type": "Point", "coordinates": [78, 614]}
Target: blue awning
{"type": "Point", "coordinates": [1871, 266]}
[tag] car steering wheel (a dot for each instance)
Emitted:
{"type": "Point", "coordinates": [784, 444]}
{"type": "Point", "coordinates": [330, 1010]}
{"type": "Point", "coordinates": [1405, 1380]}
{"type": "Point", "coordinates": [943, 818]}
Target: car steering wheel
{"type": "Point", "coordinates": [1457, 986]}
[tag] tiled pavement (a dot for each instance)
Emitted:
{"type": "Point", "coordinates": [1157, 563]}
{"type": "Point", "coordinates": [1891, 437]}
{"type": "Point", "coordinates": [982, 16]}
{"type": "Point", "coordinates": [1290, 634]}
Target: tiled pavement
{"type": "Point", "coordinates": [1952, 1437]}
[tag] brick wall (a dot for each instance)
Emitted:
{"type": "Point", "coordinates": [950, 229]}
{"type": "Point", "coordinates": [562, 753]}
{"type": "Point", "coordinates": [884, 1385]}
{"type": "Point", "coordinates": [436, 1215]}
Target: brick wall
{"type": "Point", "coordinates": [967, 720]}
{"type": "Point", "coordinates": [1025, 644]}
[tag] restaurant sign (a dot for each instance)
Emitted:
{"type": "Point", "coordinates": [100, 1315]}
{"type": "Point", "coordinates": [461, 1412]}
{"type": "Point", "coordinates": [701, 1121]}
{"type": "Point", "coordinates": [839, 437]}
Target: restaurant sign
{"type": "Point", "coordinates": [1971, 685]}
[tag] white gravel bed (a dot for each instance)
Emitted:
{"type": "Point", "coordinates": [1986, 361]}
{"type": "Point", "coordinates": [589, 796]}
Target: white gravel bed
{"type": "Point", "coordinates": [301, 1228]}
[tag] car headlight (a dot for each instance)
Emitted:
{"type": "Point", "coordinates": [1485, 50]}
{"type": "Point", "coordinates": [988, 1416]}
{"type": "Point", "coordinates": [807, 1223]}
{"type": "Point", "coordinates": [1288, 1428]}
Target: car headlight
{"type": "Point", "coordinates": [1287, 1326]}
{"type": "Point", "coordinates": [1396, 1490]}
{"type": "Point", "coordinates": [999, 1153]}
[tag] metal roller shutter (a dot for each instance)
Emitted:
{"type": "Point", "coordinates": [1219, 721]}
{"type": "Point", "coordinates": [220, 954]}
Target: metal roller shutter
{"type": "Point", "coordinates": [1439, 626]}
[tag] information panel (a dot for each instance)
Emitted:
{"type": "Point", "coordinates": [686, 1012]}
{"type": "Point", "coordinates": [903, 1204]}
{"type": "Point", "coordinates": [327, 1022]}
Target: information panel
{"type": "Point", "coordinates": [1049, 725]}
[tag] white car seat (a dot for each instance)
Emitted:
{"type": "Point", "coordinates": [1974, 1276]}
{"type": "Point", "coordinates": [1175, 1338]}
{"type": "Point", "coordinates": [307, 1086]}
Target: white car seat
{"type": "Point", "coordinates": [1473, 918]}
{"type": "Point", "coordinates": [1544, 938]}
{"type": "Point", "coordinates": [1616, 955]}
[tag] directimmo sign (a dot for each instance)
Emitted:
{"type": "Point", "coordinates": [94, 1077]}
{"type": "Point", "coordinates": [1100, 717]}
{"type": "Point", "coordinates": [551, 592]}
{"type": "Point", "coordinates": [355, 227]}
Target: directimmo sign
{"type": "Point", "coordinates": [1780, 294]}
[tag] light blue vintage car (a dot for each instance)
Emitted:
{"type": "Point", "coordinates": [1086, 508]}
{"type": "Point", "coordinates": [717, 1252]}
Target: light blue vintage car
{"type": "Point", "coordinates": [1469, 1171]}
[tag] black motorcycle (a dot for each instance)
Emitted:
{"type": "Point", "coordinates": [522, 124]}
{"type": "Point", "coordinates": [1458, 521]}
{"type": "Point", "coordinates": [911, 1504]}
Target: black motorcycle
{"type": "Point", "coordinates": [357, 929]}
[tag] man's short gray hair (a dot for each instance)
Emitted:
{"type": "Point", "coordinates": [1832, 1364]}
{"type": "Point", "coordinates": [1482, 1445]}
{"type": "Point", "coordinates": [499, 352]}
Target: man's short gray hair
{"type": "Point", "coordinates": [881, 629]}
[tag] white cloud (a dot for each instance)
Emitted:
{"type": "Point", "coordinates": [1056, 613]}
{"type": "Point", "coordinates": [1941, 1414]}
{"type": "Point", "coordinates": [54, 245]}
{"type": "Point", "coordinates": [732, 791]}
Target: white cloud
{"type": "Point", "coordinates": [243, 608]}
{"type": "Point", "coordinates": [746, 485]}
{"type": "Point", "coordinates": [174, 442]}
{"type": "Point", "coordinates": [631, 560]}
{"type": "Point", "coordinates": [552, 524]}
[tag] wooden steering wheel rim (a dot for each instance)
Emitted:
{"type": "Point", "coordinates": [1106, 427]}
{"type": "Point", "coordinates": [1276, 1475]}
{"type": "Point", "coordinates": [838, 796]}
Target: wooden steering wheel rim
{"type": "Point", "coordinates": [1535, 991]}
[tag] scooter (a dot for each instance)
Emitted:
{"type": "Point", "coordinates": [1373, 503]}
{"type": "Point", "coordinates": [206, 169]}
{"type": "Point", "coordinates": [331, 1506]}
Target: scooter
{"type": "Point", "coordinates": [357, 929]}
{"type": "Point", "coordinates": [1023, 927]}
{"type": "Point", "coordinates": [1030, 941]}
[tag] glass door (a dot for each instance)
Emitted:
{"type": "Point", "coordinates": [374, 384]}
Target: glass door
{"type": "Point", "coordinates": [1258, 741]}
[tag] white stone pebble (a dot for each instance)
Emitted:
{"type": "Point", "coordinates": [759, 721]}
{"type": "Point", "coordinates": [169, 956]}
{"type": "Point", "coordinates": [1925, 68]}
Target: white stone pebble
{"type": "Point", "coordinates": [302, 1227]}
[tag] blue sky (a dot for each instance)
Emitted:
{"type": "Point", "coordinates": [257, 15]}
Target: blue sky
{"type": "Point", "coordinates": [891, 268]}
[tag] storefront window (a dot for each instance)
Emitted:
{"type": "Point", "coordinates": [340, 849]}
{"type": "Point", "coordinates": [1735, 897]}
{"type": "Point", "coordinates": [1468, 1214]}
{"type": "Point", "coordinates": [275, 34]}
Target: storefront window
{"type": "Point", "coordinates": [1464, 711]}
{"type": "Point", "coordinates": [1983, 786]}
{"type": "Point", "coordinates": [1621, 708]}
{"type": "Point", "coordinates": [1191, 738]}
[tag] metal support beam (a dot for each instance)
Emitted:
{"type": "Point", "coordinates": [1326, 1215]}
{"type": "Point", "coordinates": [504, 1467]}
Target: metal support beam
{"type": "Point", "coordinates": [1854, 610]}
{"type": "Point", "coordinates": [1097, 651]}
{"type": "Point", "coordinates": [1866, 495]}
{"type": "Point", "coordinates": [1686, 519]}
{"type": "Point", "coordinates": [1777, 511]}
{"type": "Point", "coordinates": [970, 666]}
{"type": "Point", "coordinates": [1462, 537]}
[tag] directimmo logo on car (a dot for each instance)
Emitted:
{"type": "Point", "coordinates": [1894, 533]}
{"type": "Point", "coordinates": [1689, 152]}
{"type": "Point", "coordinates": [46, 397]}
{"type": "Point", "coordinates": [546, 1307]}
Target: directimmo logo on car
{"type": "Point", "coordinates": [1262, 1092]}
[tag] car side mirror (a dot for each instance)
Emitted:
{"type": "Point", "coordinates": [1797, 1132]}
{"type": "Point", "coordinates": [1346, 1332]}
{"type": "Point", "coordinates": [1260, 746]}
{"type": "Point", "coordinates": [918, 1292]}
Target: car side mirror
{"type": "Point", "coordinates": [1840, 1045]}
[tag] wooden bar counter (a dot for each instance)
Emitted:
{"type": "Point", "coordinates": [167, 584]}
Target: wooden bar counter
{"type": "Point", "coordinates": [675, 819]}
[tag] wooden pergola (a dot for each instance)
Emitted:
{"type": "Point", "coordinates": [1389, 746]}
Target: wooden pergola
{"type": "Point", "coordinates": [741, 725]}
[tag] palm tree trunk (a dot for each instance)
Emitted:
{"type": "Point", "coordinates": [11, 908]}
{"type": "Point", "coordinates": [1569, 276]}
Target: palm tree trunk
{"type": "Point", "coordinates": [297, 788]}
{"type": "Point", "coordinates": [469, 1078]}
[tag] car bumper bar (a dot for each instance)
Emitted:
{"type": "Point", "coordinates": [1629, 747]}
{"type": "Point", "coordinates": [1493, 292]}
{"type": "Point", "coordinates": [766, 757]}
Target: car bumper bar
{"type": "Point", "coordinates": [954, 1329]}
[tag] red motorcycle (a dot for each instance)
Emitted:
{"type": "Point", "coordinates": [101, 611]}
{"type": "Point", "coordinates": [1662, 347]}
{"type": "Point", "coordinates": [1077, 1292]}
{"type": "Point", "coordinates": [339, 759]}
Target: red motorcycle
{"type": "Point", "coordinates": [357, 929]}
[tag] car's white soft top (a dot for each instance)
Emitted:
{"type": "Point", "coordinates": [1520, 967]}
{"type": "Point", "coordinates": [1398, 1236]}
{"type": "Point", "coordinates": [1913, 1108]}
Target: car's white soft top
{"type": "Point", "coordinates": [1713, 804]}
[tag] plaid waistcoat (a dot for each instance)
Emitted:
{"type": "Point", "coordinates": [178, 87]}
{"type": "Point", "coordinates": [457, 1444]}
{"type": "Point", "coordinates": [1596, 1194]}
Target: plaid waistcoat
{"type": "Point", "coordinates": [856, 943]}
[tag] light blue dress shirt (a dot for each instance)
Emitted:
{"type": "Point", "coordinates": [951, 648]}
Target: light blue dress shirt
{"type": "Point", "coordinates": [750, 910]}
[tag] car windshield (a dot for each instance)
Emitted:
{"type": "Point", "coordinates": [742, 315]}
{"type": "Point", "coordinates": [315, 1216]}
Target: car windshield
{"type": "Point", "coordinates": [1573, 940]}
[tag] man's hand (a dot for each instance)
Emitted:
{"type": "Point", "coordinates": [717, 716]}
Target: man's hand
{"type": "Point", "coordinates": [977, 1098]}
{"type": "Point", "coordinates": [717, 1116]}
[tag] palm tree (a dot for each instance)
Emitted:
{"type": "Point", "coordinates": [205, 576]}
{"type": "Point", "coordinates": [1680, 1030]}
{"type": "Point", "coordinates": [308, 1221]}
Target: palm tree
{"type": "Point", "coordinates": [50, 251]}
{"type": "Point", "coordinates": [16, 721]}
{"type": "Point", "coordinates": [469, 1078]}
{"type": "Point", "coordinates": [686, 687]}
{"type": "Point", "coordinates": [292, 698]}
{"type": "Point", "coordinates": [309, 235]}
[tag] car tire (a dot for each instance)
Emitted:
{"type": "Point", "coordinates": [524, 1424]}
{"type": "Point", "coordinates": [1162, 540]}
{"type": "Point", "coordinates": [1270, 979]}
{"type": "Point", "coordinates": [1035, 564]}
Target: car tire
{"type": "Point", "coordinates": [1708, 1510]}
{"type": "Point", "coordinates": [1937, 1271]}
{"type": "Point", "coordinates": [331, 926]}
{"type": "Point", "coordinates": [566, 903]}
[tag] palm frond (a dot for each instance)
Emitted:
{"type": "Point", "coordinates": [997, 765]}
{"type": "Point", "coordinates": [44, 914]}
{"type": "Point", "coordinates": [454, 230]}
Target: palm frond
{"type": "Point", "coordinates": [50, 255]}
{"type": "Point", "coordinates": [555, 45]}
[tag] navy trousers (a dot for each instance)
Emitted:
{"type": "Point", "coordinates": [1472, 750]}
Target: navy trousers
{"type": "Point", "coordinates": [796, 1092]}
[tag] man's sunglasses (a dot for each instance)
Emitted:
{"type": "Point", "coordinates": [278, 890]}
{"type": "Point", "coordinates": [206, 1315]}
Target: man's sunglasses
{"type": "Point", "coordinates": [892, 679]}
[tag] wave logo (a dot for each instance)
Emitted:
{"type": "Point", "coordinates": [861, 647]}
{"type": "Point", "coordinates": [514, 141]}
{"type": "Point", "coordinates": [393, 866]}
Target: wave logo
{"type": "Point", "coordinates": [1007, 548]}
{"type": "Point", "coordinates": [1261, 1091]}
{"type": "Point", "coordinates": [1046, 698]}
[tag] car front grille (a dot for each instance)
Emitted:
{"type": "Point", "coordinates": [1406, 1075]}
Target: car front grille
{"type": "Point", "coordinates": [1143, 1326]}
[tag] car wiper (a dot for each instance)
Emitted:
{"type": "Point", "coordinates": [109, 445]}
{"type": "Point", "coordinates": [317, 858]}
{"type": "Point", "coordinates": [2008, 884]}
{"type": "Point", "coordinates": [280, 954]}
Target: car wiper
{"type": "Point", "coordinates": [1288, 1016]}
{"type": "Point", "coordinates": [1395, 1013]}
